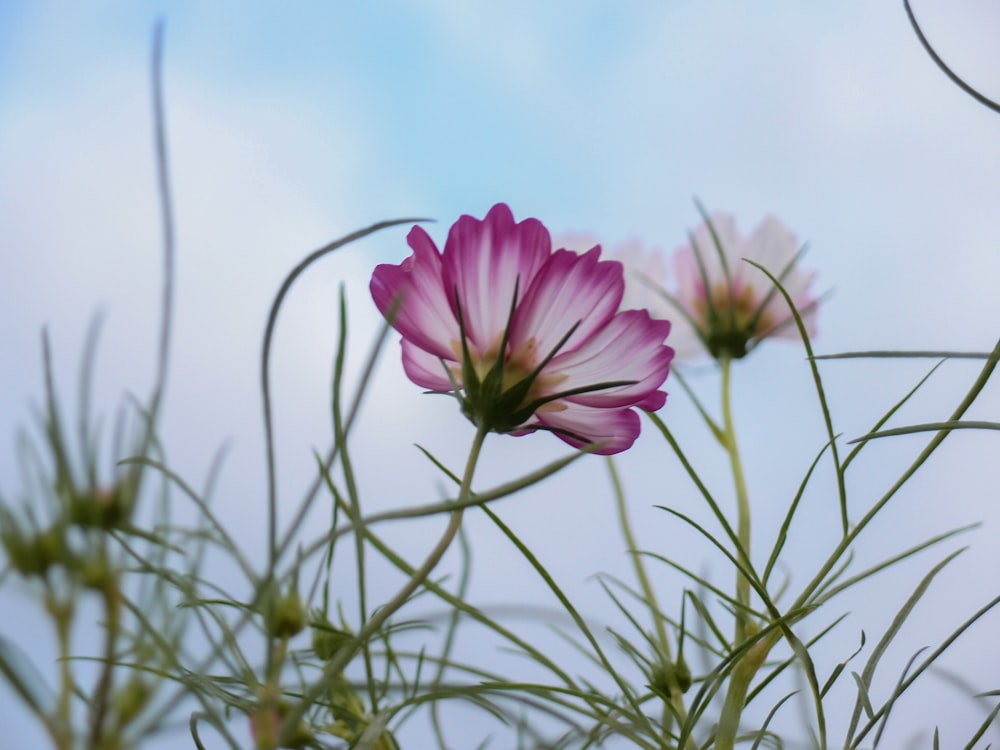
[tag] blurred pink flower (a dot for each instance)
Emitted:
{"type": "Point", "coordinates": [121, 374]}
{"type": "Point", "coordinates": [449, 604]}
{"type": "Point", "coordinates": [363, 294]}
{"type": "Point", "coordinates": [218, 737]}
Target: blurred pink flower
{"type": "Point", "coordinates": [718, 303]}
{"type": "Point", "coordinates": [732, 305]}
{"type": "Point", "coordinates": [532, 338]}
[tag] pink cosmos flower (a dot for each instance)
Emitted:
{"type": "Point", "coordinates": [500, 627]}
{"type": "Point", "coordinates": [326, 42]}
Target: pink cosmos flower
{"type": "Point", "coordinates": [528, 339]}
{"type": "Point", "coordinates": [719, 304]}
{"type": "Point", "coordinates": [732, 305]}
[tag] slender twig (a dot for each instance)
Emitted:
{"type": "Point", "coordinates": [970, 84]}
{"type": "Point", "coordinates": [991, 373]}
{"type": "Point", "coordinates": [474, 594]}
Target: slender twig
{"type": "Point", "coordinates": [955, 78]}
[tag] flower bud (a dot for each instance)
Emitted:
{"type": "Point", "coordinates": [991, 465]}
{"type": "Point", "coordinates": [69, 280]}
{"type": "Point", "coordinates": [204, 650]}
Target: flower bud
{"type": "Point", "coordinates": [287, 616]}
{"type": "Point", "coordinates": [102, 508]}
{"type": "Point", "coordinates": [682, 673]}
{"type": "Point", "coordinates": [667, 676]}
{"type": "Point", "coordinates": [131, 699]}
{"type": "Point", "coordinates": [33, 555]}
{"type": "Point", "coordinates": [327, 640]}
{"type": "Point", "coordinates": [18, 548]}
{"type": "Point", "coordinates": [95, 573]}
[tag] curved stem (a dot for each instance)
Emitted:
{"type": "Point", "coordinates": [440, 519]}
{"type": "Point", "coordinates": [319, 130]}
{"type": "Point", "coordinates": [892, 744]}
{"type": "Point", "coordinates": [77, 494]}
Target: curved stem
{"type": "Point", "coordinates": [274, 550]}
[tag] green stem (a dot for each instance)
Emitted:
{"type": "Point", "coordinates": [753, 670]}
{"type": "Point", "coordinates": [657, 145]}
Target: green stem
{"type": "Point", "coordinates": [676, 707]}
{"type": "Point", "coordinates": [742, 502]}
{"type": "Point", "coordinates": [739, 684]}
{"type": "Point", "coordinates": [335, 666]}
{"type": "Point", "coordinates": [61, 726]}
{"type": "Point", "coordinates": [748, 665]}
{"type": "Point", "coordinates": [102, 691]}
{"type": "Point", "coordinates": [269, 702]}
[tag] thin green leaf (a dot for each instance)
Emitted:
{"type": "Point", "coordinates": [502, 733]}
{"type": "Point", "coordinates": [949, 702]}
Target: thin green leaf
{"type": "Point", "coordinates": [984, 375]}
{"type": "Point", "coordinates": [984, 727]}
{"type": "Point", "coordinates": [929, 427]}
{"type": "Point", "coordinates": [706, 417]}
{"type": "Point", "coordinates": [716, 510]}
{"type": "Point", "coordinates": [24, 677]}
{"type": "Point", "coordinates": [864, 700]}
{"type": "Point", "coordinates": [888, 415]}
{"type": "Point", "coordinates": [779, 542]}
{"type": "Point", "coordinates": [889, 354]}
{"type": "Point", "coordinates": [265, 365]}
{"type": "Point", "coordinates": [897, 622]}
{"type": "Point", "coordinates": [833, 591]}
{"type": "Point", "coordinates": [568, 606]}
{"type": "Point", "coordinates": [761, 733]}
{"type": "Point", "coordinates": [840, 667]}
{"type": "Point", "coordinates": [820, 392]}
{"type": "Point", "coordinates": [891, 703]}
{"type": "Point", "coordinates": [781, 667]}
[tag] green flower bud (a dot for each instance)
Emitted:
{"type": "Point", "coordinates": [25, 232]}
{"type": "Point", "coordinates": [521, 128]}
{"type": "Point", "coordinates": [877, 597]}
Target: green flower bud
{"type": "Point", "coordinates": [287, 618]}
{"type": "Point", "coordinates": [682, 673]}
{"type": "Point", "coordinates": [327, 640]}
{"type": "Point", "coordinates": [131, 699]}
{"type": "Point", "coordinates": [33, 555]}
{"type": "Point", "coordinates": [19, 550]}
{"type": "Point", "coordinates": [665, 677]}
{"type": "Point", "coordinates": [95, 573]}
{"type": "Point", "coordinates": [103, 508]}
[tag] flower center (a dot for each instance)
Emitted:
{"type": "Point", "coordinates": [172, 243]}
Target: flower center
{"type": "Point", "coordinates": [504, 390]}
{"type": "Point", "coordinates": [731, 319]}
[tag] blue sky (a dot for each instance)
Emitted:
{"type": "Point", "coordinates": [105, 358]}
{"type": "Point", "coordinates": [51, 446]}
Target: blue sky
{"type": "Point", "coordinates": [289, 127]}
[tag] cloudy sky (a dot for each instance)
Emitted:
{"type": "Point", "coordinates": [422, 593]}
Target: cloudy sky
{"type": "Point", "coordinates": [291, 127]}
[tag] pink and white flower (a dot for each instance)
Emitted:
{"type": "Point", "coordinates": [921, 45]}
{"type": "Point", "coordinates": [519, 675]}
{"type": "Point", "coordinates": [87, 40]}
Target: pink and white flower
{"type": "Point", "coordinates": [731, 304]}
{"type": "Point", "coordinates": [720, 304]}
{"type": "Point", "coordinates": [528, 339]}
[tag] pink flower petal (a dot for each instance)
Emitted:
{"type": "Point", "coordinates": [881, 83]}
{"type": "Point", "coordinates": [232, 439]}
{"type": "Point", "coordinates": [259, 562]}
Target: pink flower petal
{"type": "Point", "coordinates": [614, 429]}
{"type": "Point", "coordinates": [427, 370]}
{"type": "Point", "coordinates": [629, 347]}
{"type": "Point", "coordinates": [729, 237]}
{"type": "Point", "coordinates": [425, 314]}
{"type": "Point", "coordinates": [774, 246]}
{"type": "Point", "coordinates": [568, 290]}
{"type": "Point", "coordinates": [486, 261]}
{"type": "Point", "coordinates": [771, 244]}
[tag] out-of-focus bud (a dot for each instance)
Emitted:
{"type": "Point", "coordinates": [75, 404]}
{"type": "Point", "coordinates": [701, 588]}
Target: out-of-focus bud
{"type": "Point", "coordinates": [287, 617]}
{"type": "Point", "coordinates": [131, 699]}
{"type": "Point", "coordinates": [33, 554]}
{"type": "Point", "coordinates": [95, 573]}
{"type": "Point", "coordinates": [103, 508]}
{"type": "Point", "coordinates": [327, 639]}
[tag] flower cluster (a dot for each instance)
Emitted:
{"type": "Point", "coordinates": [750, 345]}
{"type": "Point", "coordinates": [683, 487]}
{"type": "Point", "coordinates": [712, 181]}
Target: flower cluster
{"type": "Point", "coordinates": [529, 338]}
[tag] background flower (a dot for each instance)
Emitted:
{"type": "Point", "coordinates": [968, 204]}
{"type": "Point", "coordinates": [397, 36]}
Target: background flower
{"type": "Point", "coordinates": [533, 338]}
{"type": "Point", "coordinates": [731, 304]}
{"type": "Point", "coordinates": [717, 302]}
